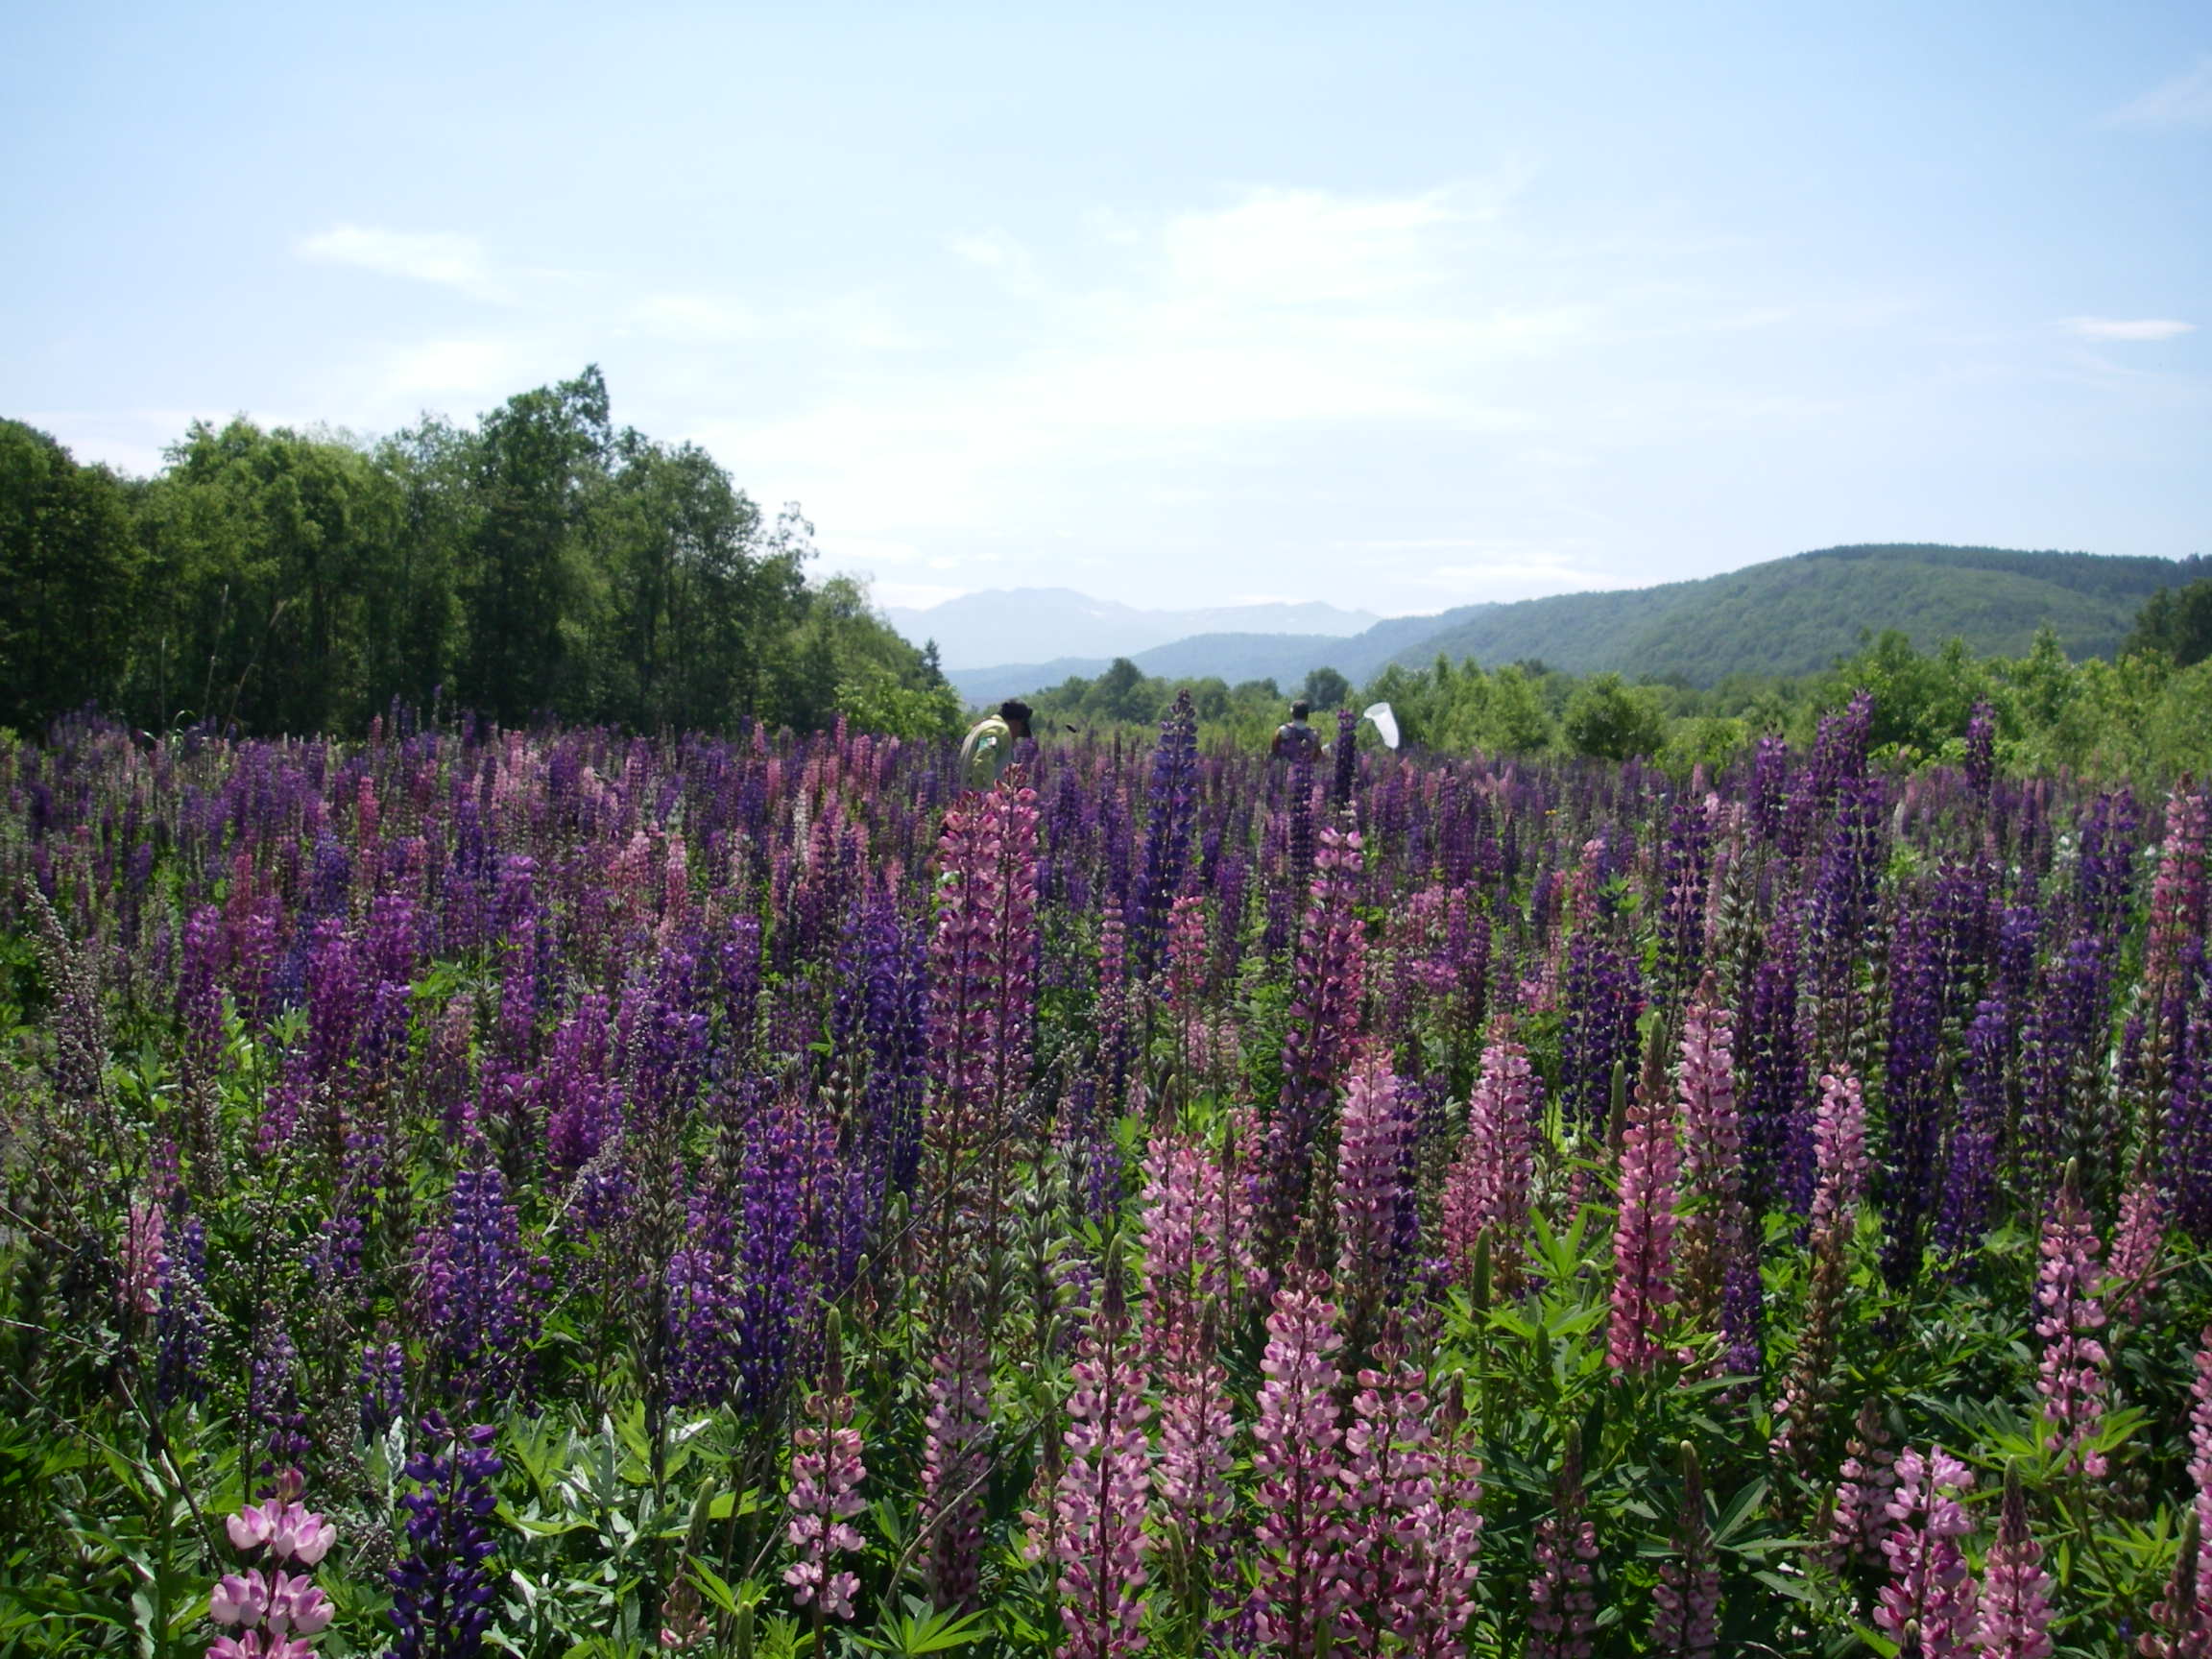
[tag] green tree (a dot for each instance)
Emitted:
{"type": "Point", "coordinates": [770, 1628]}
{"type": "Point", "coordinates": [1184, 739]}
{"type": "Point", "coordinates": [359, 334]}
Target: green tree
{"type": "Point", "coordinates": [69, 579]}
{"type": "Point", "coordinates": [2177, 621]}
{"type": "Point", "coordinates": [528, 586]}
{"type": "Point", "coordinates": [1608, 722]}
{"type": "Point", "coordinates": [1326, 690]}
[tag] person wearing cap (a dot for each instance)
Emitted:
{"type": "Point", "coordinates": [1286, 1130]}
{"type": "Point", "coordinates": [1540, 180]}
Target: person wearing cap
{"type": "Point", "coordinates": [989, 748]}
{"type": "Point", "coordinates": [1294, 739]}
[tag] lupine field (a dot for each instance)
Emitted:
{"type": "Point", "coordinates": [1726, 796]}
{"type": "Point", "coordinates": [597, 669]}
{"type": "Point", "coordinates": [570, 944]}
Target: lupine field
{"type": "Point", "coordinates": [474, 1192]}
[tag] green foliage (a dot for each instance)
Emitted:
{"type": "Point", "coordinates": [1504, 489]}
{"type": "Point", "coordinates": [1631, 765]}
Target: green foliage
{"type": "Point", "coordinates": [543, 563]}
{"type": "Point", "coordinates": [69, 571]}
{"type": "Point", "coordinates": [2178, 622]}
{"type": "Point", "coordinates": [1606, 721]}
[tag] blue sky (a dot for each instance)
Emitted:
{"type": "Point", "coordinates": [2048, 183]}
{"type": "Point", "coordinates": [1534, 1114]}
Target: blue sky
{"type": "Point", "coordinates": [1400, 306]}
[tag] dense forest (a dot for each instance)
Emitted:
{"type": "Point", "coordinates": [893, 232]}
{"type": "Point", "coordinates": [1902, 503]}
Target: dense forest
{"type": "Point", "coordinates": [543, 563]}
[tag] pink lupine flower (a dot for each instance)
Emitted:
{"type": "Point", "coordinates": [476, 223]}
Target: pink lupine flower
{"type": "Point", "coordinates": [1433, 1617]}
{"type": "Point", "coordinates": [140, 1287]}
{"type": "Point", "coordinates": [1195, 1221]}
{"type": "Point", "coordinates": [956, 1432]}
{"type": "Point", "coordinates": [826, 1475]}
{"type": "Point", "coordinates": [1930, 1588]}
{"type": "Point", "coordinates": [1296, 1470]}
{"type": "Point", "coordinates": [1840, 1160]}
{"type": "Point", "coordinates": [1644, 1236]}
{"type": "Point", "coordinates": [1197, 1452]}
{"type": "Point", "coordinates": [1562, 1603]}
{"type": "Point", "coordinates": [1100, 1496]}
{"type": "Point", "coordinates": [277, 1613]}
{"type": "Point", "coordinates": [2135, 1246]}
{"type": "Point", "coordinates": [1686, 1602]}
{"type": "Point", "coordinates": [1487, 1187]}
{"type": "Point", "coordinates": [2178, 893]}
{"type": "Point", "coordinates": [2072, 1378]}
{"type": "Point", "coordinates": [1860, 1513]}
{"type": "Point", "coordinates": [2016, 1591]}
{"type": "Point", "coordinates": [1375, 1139]}
{"type": "Point", "coordinates": [1390, 1468]}
{"type": "Point", "coordinates": [1712, 1147]}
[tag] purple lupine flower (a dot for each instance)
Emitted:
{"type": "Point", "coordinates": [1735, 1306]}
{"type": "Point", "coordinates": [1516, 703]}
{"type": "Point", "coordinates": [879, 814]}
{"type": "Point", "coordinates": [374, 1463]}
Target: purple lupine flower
{"type": "Point", "coordinates": [2072, 1378]}
{"type": "Point", "coordinates": [1297, 1471]}
{"type": "Point", "coordinates": [1929, 1589]}
{"type": "Point", "coordinates": [1487, 1187]}
{"type": "Point", "coordinates": [383, 1387]}
{"type": "Point", "coordinates": [701, 1311]}
{"type": "Point", "coordinates": [183, 1322]}
{"type": "Point", "coordinates": [1909, 1097]}
{"type": "Point", "coordinates": [1172, 805]}
{"type": "Point", "coordinates": [1777, 1104]}
{"type": "Point", "coordinates": [478, 1291]}
{"type": "Point", "coordinates": [1685, 1621]}
{"type": "Point", "coordinates": [1374, 1149]}
{"type": "Point", "coordinates": [1562, 1601]}
{"type": "Point", "coordinates": [1326, 986]}
{"type": "Point", "coordinates": [2064, 1035]}
{"type": "Point", "coordinates": [272, 1395]}
{"type": "Point", "coordinates": [955, 1460]}
{"type": "Point", "coordinates": [445, 1589]}
{"type": "Point", "coordinates": [1644, 1236]}
{"type": "Point", "coordinates": [2015, 1590]}
{"type": "Point", "coordinates": [1981, 750]}
{"type": "Point", "coordinates": [1970, 1166]}
{"type": "Point", "coordinates": [1601, 1001]}
{"type": "Point", "coordinates": [1100, 1499]}
{"type": "Point", "coordinates": [2104, 872]}
{"type": "Point", "coordinates": [983, 961]}
{"type": "Point", "coordinates": [826, 1475]}
{"type": "Point", "coordinates": [1347, 758]}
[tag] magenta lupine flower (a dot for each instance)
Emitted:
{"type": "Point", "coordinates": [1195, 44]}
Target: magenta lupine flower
{"type": "Point", "coordinates": [1186, 964]}
{"type": "Point", "coordinates": [955, 1460]}
{"type": "Point", "coordinates": [1390, 1499]}
{"type": "Point", "coordinates": [826, 1475]}
{"type": "Point", "coordinates": [1297, 1474]}
{"type": "Point", "coordinates": [1644, 1236]}
{"type": "Point", "coordinates": [1488, 1183]}
{"type": "Point", "coordinates": [1194, 1226]}
{"type": "Point", "coordinates": [1840, 1160]}
{"type": "Point", "coordinates": [2072, 1379]}
{"type": "Point", "coordinates": [1374, 1143]}
{"type": "Point", "coordinates": [1197, 1452]}
{"type": "Point", "coordinates": [2178, 893]}
{"type": "Point", "coordinates": [2015, 1590]}
{"type": "Point", "coordinates": [1431, 1619]}
{"type": "Point", "coordinates": [1684, 1622]}
{"type": "Point", "coordinates": [1930, 1588]}
{"type": "Point", "coordinates": [2135, 1246]}
{"type": "Point", "coordinates": [1562, 1603]}
{"type": "Point", "coordinates": [1859, 1516]}
{"type": "Point", "coordinates": [1100, 1500]}
{"type": "Point", "coordinates": [983, 963]}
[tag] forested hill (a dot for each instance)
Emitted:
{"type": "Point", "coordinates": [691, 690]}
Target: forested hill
{"type": "Point", "coordinates": [542, 563]}
{"type": "Point", "coordinates": [1797, 615]}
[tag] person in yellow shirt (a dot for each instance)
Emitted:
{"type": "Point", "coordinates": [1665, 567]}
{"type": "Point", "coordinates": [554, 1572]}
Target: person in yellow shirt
{"type": "Point", "coordinates": [989, 749]}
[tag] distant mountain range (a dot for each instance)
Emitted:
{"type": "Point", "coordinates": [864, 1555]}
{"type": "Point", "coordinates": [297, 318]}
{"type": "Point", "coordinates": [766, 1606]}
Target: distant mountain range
{"type": "Point", "coordinates": [1793, 615]}
{"type": "Point", "coordinates": [1050, 623]}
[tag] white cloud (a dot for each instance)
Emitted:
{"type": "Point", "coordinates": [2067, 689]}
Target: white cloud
{"type": "Point", "coordinates": [695, 318]}
{"type": "Point", "coordinates": [2128, 328]}
{"type": "Point", "coordinates": [2185, 101]}
{"type": "Point", "coordinates": [446, 260]}
{"type": "Point", "coordinates": [914, 595]}
{"type": "Point", "coordinates": [475, 368]}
